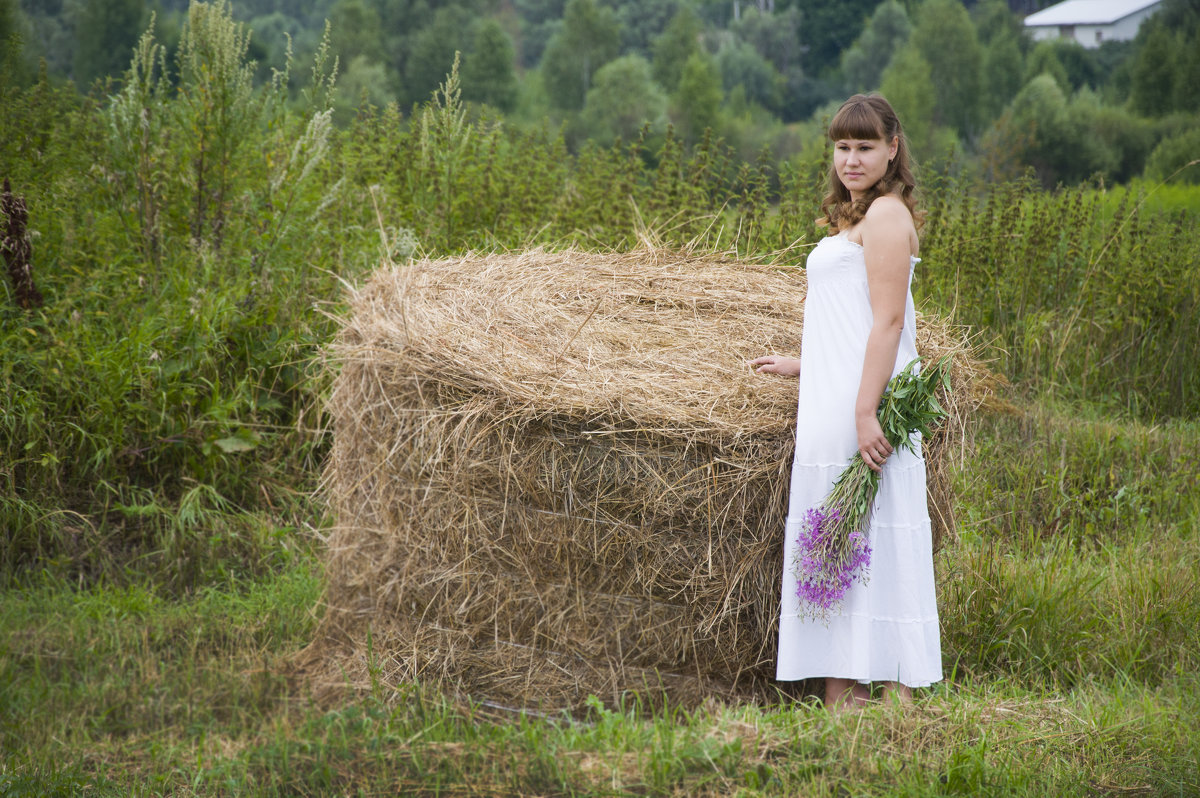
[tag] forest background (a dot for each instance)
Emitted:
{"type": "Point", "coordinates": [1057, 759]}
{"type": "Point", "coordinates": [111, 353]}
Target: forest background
{"type": "Point", "coordinates": [199, 196]}
{"type": "Point", "coordinates": [964, 77]}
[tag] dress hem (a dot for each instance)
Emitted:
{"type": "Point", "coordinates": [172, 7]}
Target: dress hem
{"type": "Point", "coordinates": [915, 685]}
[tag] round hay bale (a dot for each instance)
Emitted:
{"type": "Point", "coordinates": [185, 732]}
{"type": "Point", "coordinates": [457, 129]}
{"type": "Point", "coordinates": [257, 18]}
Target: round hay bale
{"type": "Point", "coordinates": [554, 475]}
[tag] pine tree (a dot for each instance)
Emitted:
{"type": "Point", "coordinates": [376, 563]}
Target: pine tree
{"type": "Point", "coordinates": [1153, 79]}
{"type": "Point", "coordinates": [432, 50]}
{"type": "Point", "coordinates": [908, 86]}
{"type": "Point", "coordinates": [946, 39]}
{"type": "Point", "coordinates": [697, 100]}
{"type": "Point", "coordinates": [487, 72]}
{"type": "Point", "coordinates": [774, 36]}
{"type": "Point", "coordinates": [1002, 69]}
{"type": "Point", "coordinates": [1187, 75]}
{"type": "Point", "coordinates": [355, 29]}
{"type": "Point", "coordinates": [13, 64]}
{"type": "Point", "coordinates": [830, 26]}
{"type": "Point", "coordinates": [589, 39]}
{"type": "Point", "coordinates": [674, 47]}
{"type": "Point", "coordinates": [643, 21]}
{"type": "Point", "coordinates": [995, 20]}
{"type": "Point", "coordinates": [8, 27]}
{"type": "Point", "coordinates": [864, 62]}
{"type": "Point", "coordinates": [106, 32]}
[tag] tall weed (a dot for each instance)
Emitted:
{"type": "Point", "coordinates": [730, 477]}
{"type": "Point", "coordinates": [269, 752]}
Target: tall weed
{"type": "Point", "coordinates": [1087, 301]}
{"type": "Point", "coordinates": [1078, 554]}
{"type": "Point", "coordinates": [174, 350]}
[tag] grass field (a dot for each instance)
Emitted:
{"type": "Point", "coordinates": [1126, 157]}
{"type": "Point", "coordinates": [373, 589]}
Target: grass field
{"type": "Point", "coordinates": [1069, 612]}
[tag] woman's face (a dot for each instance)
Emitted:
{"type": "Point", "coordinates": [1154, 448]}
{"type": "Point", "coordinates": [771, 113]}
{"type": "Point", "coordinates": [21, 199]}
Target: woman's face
{"type": "Point", "coordinates": [861, 163]}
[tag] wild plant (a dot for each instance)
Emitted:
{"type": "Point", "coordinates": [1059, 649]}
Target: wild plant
{"type": "Point", "coordinates": [16, 248]}
{"type": "Point", "coordinates": [217, 112]}
{"type": "Point", "coordinates": [1076, 557]}
{"type": "Point", "coordinates": [445, 137]}
{"type": "Point", "coordinates": [139, 154]}
{"type": "Point", "coordinates": [176, 343]}
{"type": "Point", "coordinates": [1088, 300]}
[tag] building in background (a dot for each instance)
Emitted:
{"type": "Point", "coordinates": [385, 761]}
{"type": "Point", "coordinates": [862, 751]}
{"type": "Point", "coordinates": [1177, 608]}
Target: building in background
{"type": "Point", "coordinates": [1091, 22]}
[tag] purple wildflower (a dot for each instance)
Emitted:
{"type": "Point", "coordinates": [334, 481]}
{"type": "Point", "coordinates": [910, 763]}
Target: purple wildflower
{"type": "Point", "coordinates": [829, 558]}
{"type": "Point", "coordinates": [832, 551]}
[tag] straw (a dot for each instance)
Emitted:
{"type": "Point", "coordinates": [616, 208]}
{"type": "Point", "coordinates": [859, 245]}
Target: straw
{"type": "Point", "coordinates": [554, 475]}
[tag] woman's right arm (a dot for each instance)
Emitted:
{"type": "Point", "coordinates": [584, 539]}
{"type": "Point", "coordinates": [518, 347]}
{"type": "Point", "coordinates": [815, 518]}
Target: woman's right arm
{"type": "Point", "coordinates": [887, 234]}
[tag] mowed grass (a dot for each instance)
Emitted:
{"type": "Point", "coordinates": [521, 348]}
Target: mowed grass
{"type": "Point", "coordinates": [1069, 613]}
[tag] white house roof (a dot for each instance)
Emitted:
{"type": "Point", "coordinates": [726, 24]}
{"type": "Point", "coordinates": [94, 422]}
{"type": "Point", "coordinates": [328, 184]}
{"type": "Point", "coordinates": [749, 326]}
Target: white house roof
{"type": "Point", "coordinates": [1087, 12]}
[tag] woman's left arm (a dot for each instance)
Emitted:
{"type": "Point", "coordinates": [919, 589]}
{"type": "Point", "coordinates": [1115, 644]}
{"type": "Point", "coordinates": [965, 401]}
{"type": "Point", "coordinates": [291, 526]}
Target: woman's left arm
{"type": "Point", "coordinates": [887, 230]}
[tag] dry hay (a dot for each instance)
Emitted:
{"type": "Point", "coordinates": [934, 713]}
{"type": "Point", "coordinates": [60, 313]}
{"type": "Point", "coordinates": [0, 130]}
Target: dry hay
{"type": "Point", "coordinates": [554, 475]}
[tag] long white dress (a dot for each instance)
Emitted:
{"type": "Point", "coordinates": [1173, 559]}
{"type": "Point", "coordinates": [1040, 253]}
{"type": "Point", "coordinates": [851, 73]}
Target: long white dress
{"type": "Point", "coordinates": [886, 629]}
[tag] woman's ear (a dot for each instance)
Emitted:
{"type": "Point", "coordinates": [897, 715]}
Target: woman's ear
{"type": "Point", "coordinates": [893, 147]}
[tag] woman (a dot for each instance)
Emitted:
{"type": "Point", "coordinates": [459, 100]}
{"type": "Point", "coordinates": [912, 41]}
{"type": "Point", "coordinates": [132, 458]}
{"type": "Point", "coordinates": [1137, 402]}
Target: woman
{"type": "Point", "coordinates": [858, 333]}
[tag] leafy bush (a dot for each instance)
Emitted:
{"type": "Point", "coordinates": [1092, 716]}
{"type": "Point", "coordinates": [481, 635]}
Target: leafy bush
{"type": "Point", "coordinates": [169, 363]}
{"type": "Point", "coordinates": [1176, 158]}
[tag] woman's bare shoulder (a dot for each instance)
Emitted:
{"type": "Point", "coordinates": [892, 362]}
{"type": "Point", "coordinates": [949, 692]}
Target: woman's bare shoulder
{"type": "Point", "coordinates": [889, 213]}
{"type": "Point", "coordinates": [889, 222]}
{"type": "Point", "coordinates": [888, 208]}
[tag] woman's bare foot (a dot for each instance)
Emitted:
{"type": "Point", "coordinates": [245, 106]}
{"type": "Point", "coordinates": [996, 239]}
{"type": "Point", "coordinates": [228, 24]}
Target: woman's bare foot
{"type": "Point", "coordinates": [896, 691]}
{"type": "Point", "coordinates": [845, 694]}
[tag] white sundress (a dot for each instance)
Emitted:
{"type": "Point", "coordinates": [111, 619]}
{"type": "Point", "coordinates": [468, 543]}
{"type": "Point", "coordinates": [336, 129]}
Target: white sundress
{"type": "Point", "coordinates": [887, 629]}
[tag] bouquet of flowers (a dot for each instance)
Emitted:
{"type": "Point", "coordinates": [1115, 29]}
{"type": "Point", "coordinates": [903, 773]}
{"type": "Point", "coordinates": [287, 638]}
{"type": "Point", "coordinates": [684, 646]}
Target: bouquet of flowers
{"type": "Point", "coordinates": [833, 551]}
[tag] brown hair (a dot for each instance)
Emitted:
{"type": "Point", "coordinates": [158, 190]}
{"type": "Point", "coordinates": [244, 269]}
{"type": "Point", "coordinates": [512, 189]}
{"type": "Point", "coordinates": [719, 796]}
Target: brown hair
{"type": "Point", "coordinates": [870, 116]}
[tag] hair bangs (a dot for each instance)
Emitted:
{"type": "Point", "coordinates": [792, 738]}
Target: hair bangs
{"type": "Point", "coordinates": [856, 120]}
{"type": "Point", "coordinates": [868, 117]}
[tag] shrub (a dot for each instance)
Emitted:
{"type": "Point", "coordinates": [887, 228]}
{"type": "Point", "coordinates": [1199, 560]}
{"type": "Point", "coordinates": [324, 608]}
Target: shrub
{"type": "Point", "coordinates": [1175, 159]}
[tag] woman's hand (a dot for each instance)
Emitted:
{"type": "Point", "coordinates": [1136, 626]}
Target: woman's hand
{"type": "Point", "coordinates": [873, 445]}
{"type": "Point", "coordinates": [774, 364]}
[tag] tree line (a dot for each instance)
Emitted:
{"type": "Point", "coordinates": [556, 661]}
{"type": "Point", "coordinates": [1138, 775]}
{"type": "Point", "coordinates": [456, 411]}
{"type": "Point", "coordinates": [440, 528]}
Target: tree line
{"type": "Point", "coordinates": [969, 83]}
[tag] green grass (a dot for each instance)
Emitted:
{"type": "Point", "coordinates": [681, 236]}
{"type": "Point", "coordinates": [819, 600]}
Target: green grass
{"type": "Point", "coordinates": [1069, 641]}
{"type": "Point", "coordinates": [1160, 198]}
{"type": "Point", "coordinates": [1080, 549]}
{"type": "Point", "coordinates": [994, 735]}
